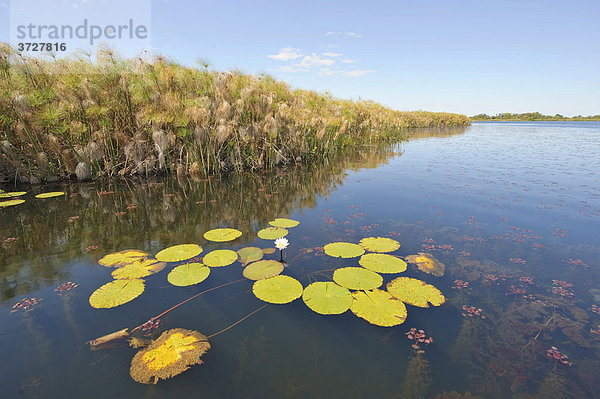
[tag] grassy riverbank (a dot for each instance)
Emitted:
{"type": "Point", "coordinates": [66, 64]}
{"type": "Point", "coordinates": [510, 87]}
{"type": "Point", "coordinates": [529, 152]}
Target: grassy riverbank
{"type": "Point", "coordinates": [66, 118]}
{"type": "Point", "coordinates": [531, 116]}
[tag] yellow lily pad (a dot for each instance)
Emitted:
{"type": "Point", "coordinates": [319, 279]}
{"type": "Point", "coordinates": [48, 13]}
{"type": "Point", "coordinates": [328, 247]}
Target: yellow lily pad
{"type": "Point", "coordinates": [357, 278]}
{"type": "Point", "coordinates": [427, 263]}
{"type": "Point", "coordinates": [222, 235]}
{"type": "Point", "coordinates": [177, 253]}
{"type": "Point", "coordinates": [415, 292]}
{"type": "Point", "coordinates": [50, 195]}
{"type": "Point", "coordinates": [284, 223]}
{"type": "Point", "coordinates": [220, 258]}
{"type": "Point", "coordinates": [12, 194]}
{"type": "Point", "coordinates": [382, 263]}
{"type": "Point", "coordinates": [250, 254]}
{"type": "Point", "coordinates": [343, 250]}
{"type": "Point", "coordinates": [272, 233]}
{"type": "Point", "coordinates": [279, 289]}
{"type": "Point", "coordinates": [327, 298]}
{"type": "Point", "coordinates": [268, 251]}
{"type": "Point", "coordinates": [138, 269]}
{"type": "Point", "coordinates": [6, 204]}
{"type": "Point", "coordinates": [174, 352]}
{"type": "Point", "coordinates": [116, 293]}
{"type": "Point", "coordinates": [122, 258]}
{"type": "Point", "coordinates": [378, 307]}
{"type": "Point", "coordinates": [262, 269]}
{"type": "Point", "coordinates": [188, 274]}
{"type": "Point", "coordinates": [379, 244]}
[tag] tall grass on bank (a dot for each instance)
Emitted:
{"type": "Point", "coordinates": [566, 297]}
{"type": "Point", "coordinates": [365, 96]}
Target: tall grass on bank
{"type": "Point", "coordinates": [74, 117]}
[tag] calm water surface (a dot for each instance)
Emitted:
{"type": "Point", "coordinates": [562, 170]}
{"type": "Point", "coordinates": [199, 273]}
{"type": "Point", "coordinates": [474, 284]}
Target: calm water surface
{"type": "Point", "coordinates": [512, 209]}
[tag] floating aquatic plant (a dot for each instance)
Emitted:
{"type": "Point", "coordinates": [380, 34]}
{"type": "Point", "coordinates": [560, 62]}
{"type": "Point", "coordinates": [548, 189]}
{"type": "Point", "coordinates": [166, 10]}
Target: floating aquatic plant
{"type": "Point", "coordinates": [12, 194]}
{"type": "Point", "coordinates": [326, 297]}
{"type": "Point", "coordinates": [427, 263]}
{"type": "Point", "coordinates": [554, 353]}
{"type": "Point", "coordinates": [122, 258]}
{"type": "Point", "coordinates": [272, 233]}
{"type": "Point", "coordinates": [419, 338]}
{"type": "Point", "coordinates": [25, 304]}
{"type": "Point", "coordinates": [188, 274]}
{"type": "Point", "coordinates": [250, 254]}
{"type": "Point", "coordinates": [50, 194]}
{"type": "Point", "coordinates": [281, 243]}
{"type": "Point", "coordinates": [263, 269]}
{"type": "Point", "coordinates": [106, 341]}
{"type": "Point", "coordinates": [222, 235]}
{"type": "Point", "coordinates": [379, 244]}
{"type": "Point", "coordinates": [284, 223]}
{"type": "Point", "coordinates": [415, 292]}
{"type": "Point", "coordinates": [279, 289]}
{"type": "Point", "coordinates": [6, 204]}
{"type": "Point", "coordinates": [65, 287]}
{"type": "Point", "coordinates": [343, 250]}
{"type": "Point", "coordinates": [138, 269]}
{"type": "Point", "coordinates": [382, 263]}
{"type": "Point", "coordinates": [220, 258]}
{"type": "Point", "coordinates": [174, 352]}
{"type": "Point", "coordinates": [178, 253]}
{"type": "Point", "coordinates": [378, 307]}
{"type": "Point", "coordinates": [357, 278]}
{"type": "Point", "coordinates": [116, 293]}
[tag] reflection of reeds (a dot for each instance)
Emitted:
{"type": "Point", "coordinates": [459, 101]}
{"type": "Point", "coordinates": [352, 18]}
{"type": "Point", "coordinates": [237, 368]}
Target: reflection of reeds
{"type": "Point", "coordinates": [142, 117]}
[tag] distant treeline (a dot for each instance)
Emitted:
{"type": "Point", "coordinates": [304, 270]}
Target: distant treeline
{"type": "Point", "coordinates": [533, 116]}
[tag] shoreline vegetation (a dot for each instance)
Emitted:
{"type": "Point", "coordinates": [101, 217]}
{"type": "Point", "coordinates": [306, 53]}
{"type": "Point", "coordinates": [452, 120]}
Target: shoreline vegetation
{"type": "Point", "coordinates": [531, 116]}
{"type": "Point", "coordinates": [75, 118]}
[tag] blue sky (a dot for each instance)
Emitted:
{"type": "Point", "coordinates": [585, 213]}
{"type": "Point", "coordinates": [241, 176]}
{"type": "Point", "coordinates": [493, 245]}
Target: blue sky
{"type": "Point", "coordinates": [457, 56]}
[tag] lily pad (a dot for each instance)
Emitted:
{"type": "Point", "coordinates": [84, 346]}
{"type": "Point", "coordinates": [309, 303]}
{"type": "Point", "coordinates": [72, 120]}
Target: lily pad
{"type": "Point", "coordinates": [222, 235]}
{"type": "Point", "coordinates": [262, 269]}
{"type": "Point", "coordinates": [379, 244]}
{"type": "Point", "coordinates": [327, 298]}
{"type": "Point", "coordinates": [116, 293]}
{"type": "Point", "coordinates": [188, 274]}
{"type": "Point", "coordinates": [427, 263]}
{"type": "Point", "coordinates": [138, 269]}
{"type": "Point", "coordinates": [284, 223]}
{"type": "Point", "coordinates": [378, 307]}
{"type": "Point", "coordinates": [344, 250]}
{"type": "Point", "coordinates": [250, 254]}
{"type": "Point", "coordinates": [382, 263]}
{"type": "Point", "coordinates": [12, 194]}
{"type": "Point", "coordinates": [6, 204]}
{"type": "Point", "coordinates": [122, 258]}
{"type": "Point", "coordinates": [357, 278]}
{"type": "Point", "coordinates": [272, 233]}
{"type": "Point", "coordinates": [279, 289]}
{"type": "Point", "coordinates": [220, 258]}
{"type": "Point", "coordinates": [50, 194]}
{"type": "Point", "coordinates": [177, 253]}
{"type": "Point", "coordinates": [415, 292]}
{"type": "Point", "coordinates": [174, 352]}
{"type": "Point", "coordinates": [268, 251]}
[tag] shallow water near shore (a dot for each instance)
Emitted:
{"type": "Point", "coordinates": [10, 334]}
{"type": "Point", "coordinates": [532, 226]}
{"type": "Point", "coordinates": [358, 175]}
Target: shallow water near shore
{"type": "Point", "coordinates": [512, 209]}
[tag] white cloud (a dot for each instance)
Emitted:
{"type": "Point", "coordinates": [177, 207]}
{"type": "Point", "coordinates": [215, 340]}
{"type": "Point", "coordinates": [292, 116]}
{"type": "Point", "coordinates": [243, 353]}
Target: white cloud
{"type": "Point", "coordinates": [357, 72]}
{"type": "Point", "coordinates": [332, 54]}
{"type": "Point", "coordinates": [347, 34]}
{"type": "Point", "coordinates": [290, 69]}
{"type": "Point", "coordinates": [346, 61]}
{"type": "Point", "coordinates": [314, 60]}
{"type": "Point", "coordinates": [286, 54]}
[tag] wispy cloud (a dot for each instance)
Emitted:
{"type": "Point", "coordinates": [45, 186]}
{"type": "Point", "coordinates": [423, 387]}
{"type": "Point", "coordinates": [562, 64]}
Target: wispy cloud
{"type": "Point", "coordinates": [332, 54]}
{"type": "Point", "coordinates": [347, 61]}
{"type": "Point", "coordinates": [286, 54]}
{"type": "Point", "coordinates": [347, 34]}
{"type": "Point", "coordinates": [315, 60]}
{"type": "Point", "coordinates": [357, 72]}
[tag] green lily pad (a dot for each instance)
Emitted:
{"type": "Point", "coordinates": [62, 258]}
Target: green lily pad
{"type": "Point", "coordinates": [188, 274]}
{"type": "Point", "coordinates": [138, 269]}
{"type": "Point", "coordinates": [382, 263]}
{"type": "Point", "coordinates": [6, 204]}
{"type": "Point", "coordinates": [262, 269]}
{"type": "Point", "coordinates": [378, 307]}
{"type": "Point", "coordinates": [222, 235]}
{"type": "Point", "coordinates": [327, 298]}
{"type": "Point", "coordinates": [50, 195]}
{"type": "Point", "coordinates": [415, 292]}
{"type": "Point", "coordinates": [122, 258]}
{"type": "Point", "coordinates": [357, 278]}
{"type": "Point", "coordinates": [116, 293]}
{"type": "Point", "coordinates": [379, 244]}
{"type": "Point", "coordinates": [343, 250]}
{"type": "Point", "coordinates": [279, 289]}
{"type": "Point", "coordinates": [284, 223]}
{"type": "Point", "coordinates": [177, 253]}
{"type": "Point", "coordinates": [427, 263]}
{"type": "Point", "coordinates": [220, 258]}
{"type": "Point", "coordinates": [272, 233]}
{"type": "Point", "coordinates": [250, 254]}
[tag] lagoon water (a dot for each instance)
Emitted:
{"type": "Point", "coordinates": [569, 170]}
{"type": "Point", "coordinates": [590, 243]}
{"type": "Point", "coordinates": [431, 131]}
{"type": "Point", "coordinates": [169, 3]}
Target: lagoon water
{"type": "Point", "coordinates": [511, 209]}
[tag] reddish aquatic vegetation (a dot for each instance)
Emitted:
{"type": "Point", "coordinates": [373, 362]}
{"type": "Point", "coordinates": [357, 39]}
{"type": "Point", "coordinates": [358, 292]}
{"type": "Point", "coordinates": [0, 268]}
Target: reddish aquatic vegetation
{"type": "Point", "coordinates": [419, 338]}
{"type": "Point", "coordinates": [394, 233]}
{"type": "Point", "coordinates": [10, 239]}
{"type": "Point", "coordinates": [461, 285]}
{"type": "Point", "coordinates": [596, 331]}
{"type": "Point", "coordinates": [464, 253]}
{"type": "Point", "coordinates": [330, 221]}
{"type": "Point", "coordinates": [503, 218]}
{"type": "Point", "coordinates": [429, 241]}
{"type": "Point", "coordinates": [538, 245]}
{"type": "Point", "coordinates": [577, 262]}
{"type": "Point", "coordinates": [132, 206]}
{"type": "Point", "coordinates": [73, 218]}
{"type": "Point", "coordinates": [518, 260]}
{"type": "Point", "coordinates": [554, 353]}
{"type": "Point", "coordinates": [346, 222]}
{"type": "Point", "coordinates": [595, 309]}
{"type": "Point", "coordinates": [350, 231]}
{"type": "Point", "coordinates": [369, 227]}
{"type": "Point", "coordinates": [487, 278]}
{"type": "Point", "coordinates": [73, 195]}
{"type": "Point", "coordinates": [327, 210]}
{"type": "Point", "coordinates": [514, 228]}
{"type": "Point", "coordinates": [260, 189]}
{"type": "Point", "coordinates": [25, 304]}
{"type": "Point", "coordinates": [150, 326]}
{"type": "Point", "coordinates": [120, 213]}
{"type": "Point", "coordinates": [516, 291]}
{"type": "Point", "coordinates": [559, 232]}
{"type": "Point", "coordinates": [65, 287]}
{"type": "Point", "coordinates": [91, 248]}
{"type": "Point", "coordinates": [526, 280]}
{"type": "Point", "coordinates": [354, 206]}
{"type": "Point", "coordinates": [428, 247]}
{"type": "Point", "coordinates": [472, 311]}
{"type": "Point", "coordinates": [445, 247]}
{"type": "Point", "coordinates": [561, 288]}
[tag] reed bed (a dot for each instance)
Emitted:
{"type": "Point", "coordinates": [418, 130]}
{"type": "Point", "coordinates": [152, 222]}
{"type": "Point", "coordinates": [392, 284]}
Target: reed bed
{"type": "Point", "coordinates": [84, 118]}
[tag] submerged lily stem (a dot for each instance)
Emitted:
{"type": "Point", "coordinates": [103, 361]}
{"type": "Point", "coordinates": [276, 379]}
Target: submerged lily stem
{"type": "Point", "coordinates": [187, 300]}
{"type": "Point", "coordinates": [238, 322]}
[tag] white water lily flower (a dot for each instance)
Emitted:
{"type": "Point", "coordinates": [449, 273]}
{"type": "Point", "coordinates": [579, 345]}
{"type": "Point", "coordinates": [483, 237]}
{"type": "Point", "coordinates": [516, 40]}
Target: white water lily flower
{"type": "Point", "coordinates": [281, 243]}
